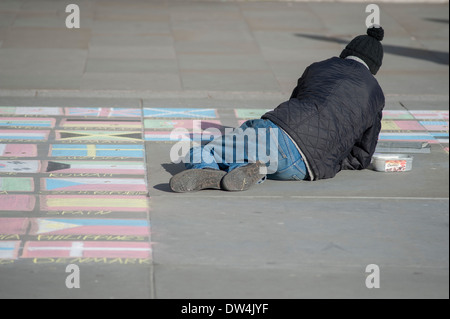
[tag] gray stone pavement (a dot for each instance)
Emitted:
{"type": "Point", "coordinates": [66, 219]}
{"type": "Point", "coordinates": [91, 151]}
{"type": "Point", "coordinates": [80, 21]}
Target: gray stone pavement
{"type": "Point", "coordinates": [277, 240]}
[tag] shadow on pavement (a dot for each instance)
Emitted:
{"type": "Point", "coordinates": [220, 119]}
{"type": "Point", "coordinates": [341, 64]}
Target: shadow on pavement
{"type": "Point", "coordinates": [172, 169]}
{"type": "Point", "coordinates": [437, 20]}
{"type": "Point", "coordinates": [438, 57]}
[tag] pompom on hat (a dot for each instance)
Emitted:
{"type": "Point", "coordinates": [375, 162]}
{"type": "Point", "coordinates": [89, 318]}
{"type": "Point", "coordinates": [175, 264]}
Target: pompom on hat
{"type": "Point", "coordinates": [368, 48]}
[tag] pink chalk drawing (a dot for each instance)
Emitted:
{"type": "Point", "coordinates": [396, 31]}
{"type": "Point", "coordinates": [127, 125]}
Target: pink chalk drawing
{"type": "Point", "coordinates": [94, 184]}
{"type": "Point", "coordinates": [13, 226]}
{"type": "Point", "coordinates": [17, 203]}
{"type": "Point", "coordinates": [91, 226]}
{"type": "Point", "coordinates": [97, 249]}
{"type": "Point", "coordinates": [24, 135]}
{"type": "Point", "coordinates": [18, 150]}
{"type": "Point", "coordinates": [103, 112]}
{"type": "Point", "coordinates": [30, 111]}
{"type": "Point", "coordinates": [113, 203]}
{"type": "Point", "coordinates": [430, 115]}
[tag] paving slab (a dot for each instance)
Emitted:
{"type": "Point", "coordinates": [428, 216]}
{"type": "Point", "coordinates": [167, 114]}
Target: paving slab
{"type": "Point", "coordinates": [70, 102]}
{"type": "Point", "coordinates": [46, 38]}
{"type": "Point", "coordinates": [204, 282]}
{"type": "Point", "coordinates": [229, 80]}
{"type": "Point", "coordinates": [102, 65]}
{"type": "Point", "coordinates": [47, 281]}
{"type": "Point", "coordinates": [19, 81]}
{"type": "Point", "coordinates": [130, 81]}
{"type": "Point", "coordinates": [134, 27]}
{"type": "Point", "coordinates": [257, 231]}
{"type": "Point", "coordinates": [132, 52]}
{"type": "Point", "coordinates": [10, 5]}
{"type": "Point", "coordinates": [41, 61]}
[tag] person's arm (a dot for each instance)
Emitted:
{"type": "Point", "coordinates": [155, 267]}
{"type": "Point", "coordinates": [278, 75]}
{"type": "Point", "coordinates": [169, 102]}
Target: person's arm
{"type": "Point", "coordinates": [361, 154]}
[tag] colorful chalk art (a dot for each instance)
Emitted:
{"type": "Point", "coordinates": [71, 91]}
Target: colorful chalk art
{"type": "Point", "coordinates": [73, 180]}
{"type": "Point", "coordinates": [73, 185]}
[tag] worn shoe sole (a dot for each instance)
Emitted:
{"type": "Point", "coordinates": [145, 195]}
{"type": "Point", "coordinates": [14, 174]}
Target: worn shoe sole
{"type": "Point", "coordinates": [242, 178]}
{"type": "Point", "coordinates": [193, 180]}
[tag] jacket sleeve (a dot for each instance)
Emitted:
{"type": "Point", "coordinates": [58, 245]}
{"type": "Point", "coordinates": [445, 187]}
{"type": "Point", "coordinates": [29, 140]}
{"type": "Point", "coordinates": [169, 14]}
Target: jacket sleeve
{"type": "Point", "coordinates": [361, 154]}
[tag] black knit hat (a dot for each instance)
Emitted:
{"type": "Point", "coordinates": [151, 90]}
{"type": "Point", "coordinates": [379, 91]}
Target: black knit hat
{"type": "Point", "coordinates": [368, 48]}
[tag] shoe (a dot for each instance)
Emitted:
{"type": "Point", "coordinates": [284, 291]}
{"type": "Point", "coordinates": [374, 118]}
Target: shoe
{"type": "Point", "coordinates": [242, 178]}
{"type": "Point", "coordinates": [193, 180]}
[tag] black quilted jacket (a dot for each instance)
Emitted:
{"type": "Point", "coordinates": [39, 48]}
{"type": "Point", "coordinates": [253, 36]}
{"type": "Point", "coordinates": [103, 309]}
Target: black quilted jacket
{"type": "Point", "coordinates": [334, 116]}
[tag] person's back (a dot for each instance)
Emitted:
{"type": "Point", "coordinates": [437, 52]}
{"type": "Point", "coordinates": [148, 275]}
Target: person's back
{"type": "Point", "coordinates": [335, 102]}
{"type": "Point", "coordinates": [330, 123]}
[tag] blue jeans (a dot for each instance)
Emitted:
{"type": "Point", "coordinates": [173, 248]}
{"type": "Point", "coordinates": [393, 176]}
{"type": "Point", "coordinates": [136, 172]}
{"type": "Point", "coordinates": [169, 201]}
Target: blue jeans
{"type": "Point", "coordinates": [221, 153]}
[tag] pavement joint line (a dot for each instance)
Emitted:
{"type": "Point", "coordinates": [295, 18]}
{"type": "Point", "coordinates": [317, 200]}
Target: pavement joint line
{"type": "Point", "coordinates": [152, 280]}
{"type": "Point", "coordinates": [313, 197]}
{"type": "Point", "coordinates": [221, 95]}
{"type": "Point", "coordinates": [373, 197]}
{"type": "Point", "coordinates": [304, 265]}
